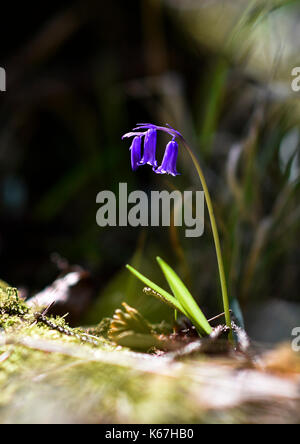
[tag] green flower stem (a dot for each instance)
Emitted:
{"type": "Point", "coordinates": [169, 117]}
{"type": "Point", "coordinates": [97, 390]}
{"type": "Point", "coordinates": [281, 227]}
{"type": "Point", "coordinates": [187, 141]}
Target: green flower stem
{"type": "Point", "coordinates": [215, 235]}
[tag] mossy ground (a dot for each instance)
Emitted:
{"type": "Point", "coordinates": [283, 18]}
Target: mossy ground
{"type": "Point", "coordinates": [49, 377]}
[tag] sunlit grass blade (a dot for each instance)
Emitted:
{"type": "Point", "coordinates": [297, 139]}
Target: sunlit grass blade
{"type": "Point", "coordinates": [161, 293]}
{"type": "Point", "coordinates": [185, 298]}
{"type": "Point", "coordinates": [149, 291]}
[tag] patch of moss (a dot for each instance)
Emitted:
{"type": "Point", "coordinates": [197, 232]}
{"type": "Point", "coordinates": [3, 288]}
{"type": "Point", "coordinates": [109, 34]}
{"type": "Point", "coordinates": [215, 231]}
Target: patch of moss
{"type": "Point", "coordinates": [50, 377]}
{"type": "Point", "coordinates": [10, 303]}
{"type": "Point", "coordinates": [3, 285]}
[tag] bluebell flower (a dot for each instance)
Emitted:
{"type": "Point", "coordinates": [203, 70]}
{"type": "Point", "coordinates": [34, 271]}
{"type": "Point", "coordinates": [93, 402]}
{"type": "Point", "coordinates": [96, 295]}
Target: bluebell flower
{"type": "Point", "coordinates": [136, 152]}
{"type": "Point", "coordinates": [168, 165]}
{"type": "Point", "coordinates": [150, 148]}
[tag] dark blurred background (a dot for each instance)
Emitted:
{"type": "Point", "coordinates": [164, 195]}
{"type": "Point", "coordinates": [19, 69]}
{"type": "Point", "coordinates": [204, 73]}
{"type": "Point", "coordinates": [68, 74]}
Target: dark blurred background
{"type": "Point", "coordinates": [81, 74]}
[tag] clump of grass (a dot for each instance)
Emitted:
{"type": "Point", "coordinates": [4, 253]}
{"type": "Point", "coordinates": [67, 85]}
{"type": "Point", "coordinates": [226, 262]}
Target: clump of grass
{"type": "Point", "coordinates": [182, 300]}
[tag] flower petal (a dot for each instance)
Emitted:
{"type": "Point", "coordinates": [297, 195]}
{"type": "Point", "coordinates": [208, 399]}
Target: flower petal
{"type": "Point", "coordinates": [150, 148]}
{"type": "Point", "coordinates": [136, 152]}
{"type": "Point", "coordinates": [168, 165]}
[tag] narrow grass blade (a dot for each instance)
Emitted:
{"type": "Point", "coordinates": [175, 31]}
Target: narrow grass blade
{"type": "Point", "coordinates": [185, 298]}
{"type": "Point", "coordinates": [149, 291]}
{"type": "Point", "coordinates": [161, 293]}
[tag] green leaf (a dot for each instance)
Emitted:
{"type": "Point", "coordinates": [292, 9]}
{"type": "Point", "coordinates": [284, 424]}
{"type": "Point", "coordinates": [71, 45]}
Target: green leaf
{"type": "Point", "coordinates": [185, 298]}
{"type": "Point", "coordinates": [165, 296]}
{"type": "Point", "coordinates": [149, 291]}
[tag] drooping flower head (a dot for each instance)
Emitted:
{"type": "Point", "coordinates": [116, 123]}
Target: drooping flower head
{"type": "Point", "coordinates": [168, 165]}
{"type": "Point", "coordinates": [149, 156]}
{"type": "Point", "coordinates": [136, 152]}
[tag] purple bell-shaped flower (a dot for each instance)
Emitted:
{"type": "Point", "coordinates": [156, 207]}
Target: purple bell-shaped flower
{"type": "Point", "coordinates": [168, 165]}
{"type": "Point", "coordinates": [136, 152]}
{"type": "Point", "coordinates": [149, 156]}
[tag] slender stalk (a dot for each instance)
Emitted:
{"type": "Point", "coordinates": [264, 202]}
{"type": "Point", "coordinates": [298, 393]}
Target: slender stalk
{"type": "Point", "coordinates": [215, 236]}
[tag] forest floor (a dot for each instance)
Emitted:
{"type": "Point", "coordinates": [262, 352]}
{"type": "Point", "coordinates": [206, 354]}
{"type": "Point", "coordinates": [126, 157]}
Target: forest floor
{"type": "Point", "coordinates": [51, 373]}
